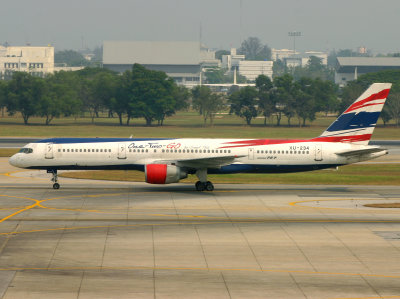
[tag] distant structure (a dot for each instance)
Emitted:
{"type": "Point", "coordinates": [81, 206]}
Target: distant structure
{"type": "Point", "coordinates": [281, 54]}
{"type": "Point", "coordinates": [37, 61]}
{"type": "Point", "coordinates": [252, 69]}
{"type": "Point", "coordinates": [291, 59]}
{"type": "Point", "coordinates": [232, 60]}
{"type": "Point", "coordinates": [349, 68]}
{"type": "Point", "coordinates": [182, 61]}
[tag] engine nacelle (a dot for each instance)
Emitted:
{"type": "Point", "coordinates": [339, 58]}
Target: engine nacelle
{"type": "Point", "coordinates": [163, 173]}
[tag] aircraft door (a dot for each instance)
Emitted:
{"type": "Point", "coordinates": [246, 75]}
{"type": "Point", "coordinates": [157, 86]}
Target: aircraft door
{"type": "Point", "coordinates": [251, 153]}
{"type": "Point", "coordinates": [318, 152]}
{"type": "Point", "coordinates": [49, 151]}
{"type": "Point", "coordinates": [121, 151]}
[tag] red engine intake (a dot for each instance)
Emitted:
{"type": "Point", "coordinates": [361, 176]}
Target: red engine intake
{"type": "Point", "coordinates": [163, 174]}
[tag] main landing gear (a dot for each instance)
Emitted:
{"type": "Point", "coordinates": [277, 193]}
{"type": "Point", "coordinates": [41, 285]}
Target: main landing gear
{"type": "Point", "coordinates": [203, 184]}
{"type": "Point", "coordinates": [54, 179]}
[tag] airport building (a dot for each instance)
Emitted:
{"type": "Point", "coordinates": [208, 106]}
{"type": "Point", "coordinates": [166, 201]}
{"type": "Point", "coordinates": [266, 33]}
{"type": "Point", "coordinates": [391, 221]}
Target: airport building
{"type": "Point", "coordinates": [37, 61]}
{"type": "Point", "coordinates": [182, 61]}
{"type": "Point", "coordinates": [252, 69]}
{"type": "Point", "coordinates": [349, 68]}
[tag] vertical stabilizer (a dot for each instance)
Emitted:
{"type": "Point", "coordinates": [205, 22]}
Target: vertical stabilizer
{"type": "Point", "coordinates": [358, 122]}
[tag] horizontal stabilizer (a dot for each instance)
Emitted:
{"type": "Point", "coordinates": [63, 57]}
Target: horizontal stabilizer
{"type": "Point", "coordinates": [359, 152]}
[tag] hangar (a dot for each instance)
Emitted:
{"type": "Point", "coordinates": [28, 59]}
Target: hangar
{"type": "Point", "coordinates": [349, 68]}
{"type": "Point", "coordinates": [181, 60]}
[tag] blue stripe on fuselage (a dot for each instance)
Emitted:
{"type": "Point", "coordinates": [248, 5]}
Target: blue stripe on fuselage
{"type": "Point", "coordinates": [351, 121]}
{"type": "Point", "coordinates": [233, 168]}
{"type": "Point", "coordinates": [96, 140]}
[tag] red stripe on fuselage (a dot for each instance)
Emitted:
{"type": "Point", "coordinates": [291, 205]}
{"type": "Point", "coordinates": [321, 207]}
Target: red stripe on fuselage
{"type": "Point", "coordinates": [258, 142]}
{"type": "Point", "coordinates": [363, 103]}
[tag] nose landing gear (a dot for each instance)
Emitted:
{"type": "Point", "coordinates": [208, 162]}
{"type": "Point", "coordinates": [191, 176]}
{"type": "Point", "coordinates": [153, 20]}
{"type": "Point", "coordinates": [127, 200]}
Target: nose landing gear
{"type": "Point", "coordinates": [54, 179]}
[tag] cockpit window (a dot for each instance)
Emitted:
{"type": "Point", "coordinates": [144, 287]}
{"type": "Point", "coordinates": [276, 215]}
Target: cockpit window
{"type": "Point", "coordinates": [26, 150]}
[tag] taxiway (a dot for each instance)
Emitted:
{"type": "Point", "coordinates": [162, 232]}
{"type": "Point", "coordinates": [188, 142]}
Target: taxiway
{"type": "Point", "coordinates": [94, 239]}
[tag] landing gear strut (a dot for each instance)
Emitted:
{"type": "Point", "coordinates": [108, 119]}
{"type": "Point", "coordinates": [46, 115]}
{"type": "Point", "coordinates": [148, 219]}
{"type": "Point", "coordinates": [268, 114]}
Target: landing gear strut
{"type": "Point", "coordinates": [203, 184]}
{"type": "Point", "coordinates": [54, 179]}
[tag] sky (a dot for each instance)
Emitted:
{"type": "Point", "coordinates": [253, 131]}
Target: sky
{"type": "Point", "coordinates": [324, 24]}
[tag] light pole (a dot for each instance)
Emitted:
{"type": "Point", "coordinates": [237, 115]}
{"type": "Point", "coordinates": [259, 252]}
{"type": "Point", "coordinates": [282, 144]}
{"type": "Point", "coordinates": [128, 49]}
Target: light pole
{"type": "Point", "coordinates": [294, 34]}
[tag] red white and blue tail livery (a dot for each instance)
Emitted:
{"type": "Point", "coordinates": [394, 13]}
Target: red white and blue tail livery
{"type": "Point", "coordinates": [168, 160]}
{"type": "Point", "coordinates": [357, 123]}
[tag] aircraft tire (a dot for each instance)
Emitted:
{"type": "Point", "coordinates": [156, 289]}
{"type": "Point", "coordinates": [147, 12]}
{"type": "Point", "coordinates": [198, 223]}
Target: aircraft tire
{"type": "Point", "coordinates": [56, 186]}
{"type": "Point", "coordinates": [209, 186]}
{"type": "Point", "coordinates": [200, 186]}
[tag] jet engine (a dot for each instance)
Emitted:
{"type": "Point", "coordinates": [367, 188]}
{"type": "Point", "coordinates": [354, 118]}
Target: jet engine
{"type": "Point", "coordinates": [163, 173]}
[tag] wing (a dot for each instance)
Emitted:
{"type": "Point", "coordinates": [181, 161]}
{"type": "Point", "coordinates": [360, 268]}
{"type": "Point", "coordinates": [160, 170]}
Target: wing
{"type": "Point", "coordinates": [359, 152]}
{"type": "Point", "coordinates": [208, 162]}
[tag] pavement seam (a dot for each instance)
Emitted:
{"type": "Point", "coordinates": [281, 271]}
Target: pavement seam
{"type": "Point", "coordinates": [226, 285]}
{"type": "Point", "coordinates": [299, 249]}
{"type": "Point", "coordinates": [201, 246]}
{"type": "Point", "coordinates": [251, 249]}
{"type": "Point", "coordinates": [348, 249]}
{"type": "Point", "coordinates": [298, 285]}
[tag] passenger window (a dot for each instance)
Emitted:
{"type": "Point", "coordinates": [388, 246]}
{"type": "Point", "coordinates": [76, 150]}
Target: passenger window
{"type": "Point", "coordinates": [147, 150]}
{"type": "Point", "coordinates": [163, 150]}
{"type": "Point", "coordinates": [155, 150]}
{"type": "Point", "coordinates": [68, 150]}
{"type": "Point", "coordinates": [59, 150]}
{"type": "Point", "coordinates": [63, 150]}
{"type": "Point", "coordinates": [80, 150]}
{"type": "Point", "coordinates": [84, 150]}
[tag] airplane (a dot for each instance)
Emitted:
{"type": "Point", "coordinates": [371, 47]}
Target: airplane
{"type": "Point", "coordinates": [168, 160]}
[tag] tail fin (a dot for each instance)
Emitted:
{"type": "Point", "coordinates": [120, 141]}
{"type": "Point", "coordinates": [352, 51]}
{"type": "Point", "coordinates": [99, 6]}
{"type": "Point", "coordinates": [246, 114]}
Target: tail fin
{"type": "Point", "coordinates": [358, 122]}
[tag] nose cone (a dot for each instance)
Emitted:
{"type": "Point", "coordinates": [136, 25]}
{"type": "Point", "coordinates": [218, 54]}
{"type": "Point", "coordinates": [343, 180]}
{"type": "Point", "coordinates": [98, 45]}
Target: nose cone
{"type": "Point", "coordinates": [14, 160]}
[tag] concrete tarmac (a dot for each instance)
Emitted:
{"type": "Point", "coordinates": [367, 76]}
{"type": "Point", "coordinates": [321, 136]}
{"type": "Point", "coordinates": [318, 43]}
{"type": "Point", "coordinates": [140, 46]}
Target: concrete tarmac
{"type": "Point", "coordinates": [94, 239]}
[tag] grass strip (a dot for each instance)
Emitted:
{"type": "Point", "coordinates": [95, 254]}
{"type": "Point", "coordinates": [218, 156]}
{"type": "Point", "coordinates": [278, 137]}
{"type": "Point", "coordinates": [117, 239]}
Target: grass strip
{"type": "Point", "coordinates": [8, 152]}
{"type": "Point", "coordinates": [383, 205]}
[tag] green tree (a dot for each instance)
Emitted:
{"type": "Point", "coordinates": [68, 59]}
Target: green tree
{"type": "Point", "coordinates": [279, 68]}
{"type": "Point", "coordinates": [215, 75]}
{"type": "Point", "coordinates": [220, 53]}
{"type": "Point", "coordinates": [59, 96]}
{"type": "Point", "coordinates": [206, 102]}
{"type": "Point", "coordinates": [244, 103]}
{"type": "Point", "coordinates": [151, 94]}
{"type": "Point", "coordinates": [3, 96]}
{"type": "Point", "coordinates": [24, 94]}
{"type": "Point", "coordinates": [393, 104]}
{"type": "Point", "coordinates": [253, 49]}
{"type": "Point", "coordinates": [265, 103]}
{"type": "Point", "coordinates": [70, 58]}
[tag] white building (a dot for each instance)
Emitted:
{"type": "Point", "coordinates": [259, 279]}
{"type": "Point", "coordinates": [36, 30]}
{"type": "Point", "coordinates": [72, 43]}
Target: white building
{"type": "Point", "coordinates": [232, 60]}
{"type": "Point", "coordinates": [37, 61]}
{"type": "Point", "coordinates": [281, 54]}
{"type": "Point", "coordinates": [252, 69]}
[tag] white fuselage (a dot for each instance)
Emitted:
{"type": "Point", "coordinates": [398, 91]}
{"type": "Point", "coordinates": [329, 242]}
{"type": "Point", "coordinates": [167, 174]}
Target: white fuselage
{"type": "Point", "coordinates": [249, 155]}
